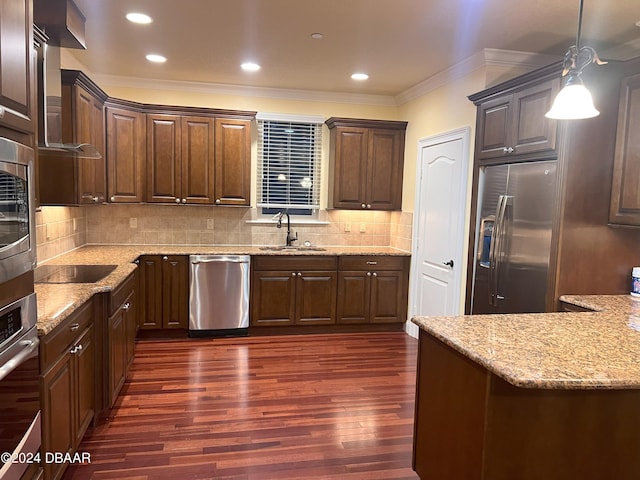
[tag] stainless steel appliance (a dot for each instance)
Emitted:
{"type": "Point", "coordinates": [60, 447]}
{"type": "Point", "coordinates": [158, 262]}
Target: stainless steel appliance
{"type": "Point", "coordinates": [17, 211]}
{"type": "Point", "coordinates": [20, 432]}
{"type": "Point", "coordinates": [218, 295]}
{"type": "Point", "coordinates": [513, 243]}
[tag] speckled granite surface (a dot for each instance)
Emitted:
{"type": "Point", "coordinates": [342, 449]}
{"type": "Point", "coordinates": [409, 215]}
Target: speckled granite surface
{"type": "Point", "coordinates": [57, 301]}
{"type": "Point", "coordinates": [564, 350]}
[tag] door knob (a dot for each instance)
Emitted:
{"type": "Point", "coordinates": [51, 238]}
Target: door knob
{"type": "Point", "coordinates": [449, 263]}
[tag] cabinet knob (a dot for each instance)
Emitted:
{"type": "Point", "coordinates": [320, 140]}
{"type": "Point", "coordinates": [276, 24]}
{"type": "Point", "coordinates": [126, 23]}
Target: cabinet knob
{"type": "Point", "coordinates": [74, 327]}
{"type": "Point", "coordinates": [508, 150]}
{"type": "Point", "coordinates": [95, 199]}
{"type": "Point", "coordinates": [374, 274]}
{"type": "Point", "coordinates": [184, 200]}
{"type": "Point", "coordinates": [364, 205]}
{"type": "Point", "coordinates": [165, 258]}
{"type": "Point", "coordinates": [293, 274]}
{"type": "Point", "coordinates": [299, 274]}
{"type": "Point", "coordinates": [218, 201]}
{"type": "Point", "coordinates": [368, 205]}
{"type": "Point", "coordinates": [113, 199]}
{"type": "Point", "coordinates": [177, 200]}
{"type": "Point", "coordinates": [126, 306]}
{"type": "Point", "coordinates": [368, 274]}
{"type": "Point", "coordinates": [136, 261]}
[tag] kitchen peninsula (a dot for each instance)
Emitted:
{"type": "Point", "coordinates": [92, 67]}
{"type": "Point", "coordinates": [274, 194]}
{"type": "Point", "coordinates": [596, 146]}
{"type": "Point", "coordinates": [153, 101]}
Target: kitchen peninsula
{"type": "Point", "coordinates": [530, 396]}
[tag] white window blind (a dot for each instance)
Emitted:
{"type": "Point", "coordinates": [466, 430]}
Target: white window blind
{"type": "Point", "coordinates": [289, 154]}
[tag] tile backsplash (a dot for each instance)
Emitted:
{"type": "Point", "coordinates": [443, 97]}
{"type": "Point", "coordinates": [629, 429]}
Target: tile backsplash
{"type": "Point", "coordinates": [60, 229]}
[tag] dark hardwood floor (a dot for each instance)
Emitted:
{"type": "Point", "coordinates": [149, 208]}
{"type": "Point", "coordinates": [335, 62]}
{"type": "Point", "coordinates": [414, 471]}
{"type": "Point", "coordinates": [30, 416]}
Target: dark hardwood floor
{"type": "Point", "coordinates": [286, 407]}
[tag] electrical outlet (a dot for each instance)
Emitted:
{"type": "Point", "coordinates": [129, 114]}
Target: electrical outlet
{"type": "Point", "coordinates": [209, 223]}
{"type": "Point", "coordinates": [133, 222]}
{"type": "Point", "coordinates": [347, 227]}
{"type": "Point", "coordinates": [363, 227]}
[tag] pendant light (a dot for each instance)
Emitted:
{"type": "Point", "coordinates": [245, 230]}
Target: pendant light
{"type": "Point", "coordinates": [574, 101]}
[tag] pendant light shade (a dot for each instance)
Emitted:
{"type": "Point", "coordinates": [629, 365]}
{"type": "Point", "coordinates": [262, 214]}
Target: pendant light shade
{"type": "Point", "coordinates": [574, 101]}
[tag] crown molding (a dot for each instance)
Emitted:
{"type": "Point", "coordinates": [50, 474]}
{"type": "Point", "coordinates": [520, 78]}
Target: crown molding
{"type": "Point", "coordinates": [489, 57]}
{"type": "Point", "coordinates": [243, 91]}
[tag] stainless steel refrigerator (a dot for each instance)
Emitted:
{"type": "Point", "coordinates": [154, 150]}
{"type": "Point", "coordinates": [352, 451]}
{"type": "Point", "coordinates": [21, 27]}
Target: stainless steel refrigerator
{"type": "Point", "coordinates": [513, 243]}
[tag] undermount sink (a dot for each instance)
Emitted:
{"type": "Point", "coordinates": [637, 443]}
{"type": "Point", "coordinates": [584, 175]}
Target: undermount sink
{"type": "Point", "coordinates": [72, 273]}
{"type": "Point", "coordinates": [294, 248]}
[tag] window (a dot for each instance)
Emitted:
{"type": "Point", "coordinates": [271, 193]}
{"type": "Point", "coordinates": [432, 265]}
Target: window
{"type": "Point", "coordinates": [289, 153]}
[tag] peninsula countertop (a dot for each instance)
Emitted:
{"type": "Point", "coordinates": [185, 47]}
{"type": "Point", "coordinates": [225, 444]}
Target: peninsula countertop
{"type": "Point", "coordinates": [563, 350]}
{"type": "Point", "coordinates": [57, 301]}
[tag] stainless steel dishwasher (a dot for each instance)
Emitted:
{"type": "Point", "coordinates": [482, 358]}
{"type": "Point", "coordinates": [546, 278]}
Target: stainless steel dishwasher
{"type": "Point", "coordinates": [218, 295]}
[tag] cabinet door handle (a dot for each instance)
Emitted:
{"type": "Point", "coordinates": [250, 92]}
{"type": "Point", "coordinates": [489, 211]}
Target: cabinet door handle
{"type": "Point", "coordinates": [74, 327]}
{"type": "Point", "coordinates": [126, 306]}
{"type": "Point", "coordinates": [95, 199]}
{"type": "Point", "coordinates": [372, 263]}
{"type": "Point", "coordinates": [75, 349]}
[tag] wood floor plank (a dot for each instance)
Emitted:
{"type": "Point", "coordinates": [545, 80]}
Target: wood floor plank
{"type": "Point", "coordinates": [254, 408]}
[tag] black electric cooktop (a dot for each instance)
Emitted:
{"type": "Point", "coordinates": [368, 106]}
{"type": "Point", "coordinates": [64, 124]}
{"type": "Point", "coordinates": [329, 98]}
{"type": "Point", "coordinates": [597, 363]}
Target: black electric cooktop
{"type": "Point", "coordinates": [72, 273]}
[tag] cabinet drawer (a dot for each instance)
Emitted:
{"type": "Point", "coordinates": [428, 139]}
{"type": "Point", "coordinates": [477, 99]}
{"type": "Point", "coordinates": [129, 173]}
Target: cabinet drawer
{"type": "Point", "coordinates": [372, 262]}
{"type": "Point", "coordinates": [300, 262]}
{"type": "Point", "coordinates": [64, 335]}
{"type": "Point", "coordinates": [121, 292]}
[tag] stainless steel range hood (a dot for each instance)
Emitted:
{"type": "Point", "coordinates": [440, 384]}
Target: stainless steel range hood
{"type": "Point", "coordinates": [50, 124]}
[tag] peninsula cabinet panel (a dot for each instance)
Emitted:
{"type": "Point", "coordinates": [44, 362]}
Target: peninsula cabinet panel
{"type": "Point", "coordinates": [163, 158]}
{"type": "Point", "coordinates": [164, 292]}
{"type": "Point", "coordinates": [233, 162]}
{"type": "Point", "coordinates": [514, 124]}
{"type": "Point", "coordinates": [197, 159]}
{"type": "Point", "coordinates": [17, 75]}
{"type": "Point", "coordinates": [625, 191]}
{"type": "Point", "coordinates": [366, 162]}
{"type": "Point", "coordinates": [126, 155]}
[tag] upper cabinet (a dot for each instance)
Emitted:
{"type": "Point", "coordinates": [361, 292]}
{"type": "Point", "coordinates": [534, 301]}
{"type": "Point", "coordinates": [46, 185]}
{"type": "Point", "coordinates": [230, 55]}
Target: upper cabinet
{"type": "Point", "coordinates": [233, 162]}
{"type": "Point", "coordinates": [17, 76]}
{"type": "Point", "coordinates": [178, 155]}
{"type": "Point", "coordinates": [79, 179]}
{"type": "Point", "coordinates": [366, 164]}
{"type": "Point", "coordinates": [513, 125]}
{"type": "Point", "coordinates": [126, 154]}
{"type": "Point", "coordinates": [625, 191]}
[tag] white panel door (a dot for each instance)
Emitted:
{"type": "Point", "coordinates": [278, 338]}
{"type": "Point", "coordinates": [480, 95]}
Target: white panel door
{"type": "Point", "coordinates": [438, 234]}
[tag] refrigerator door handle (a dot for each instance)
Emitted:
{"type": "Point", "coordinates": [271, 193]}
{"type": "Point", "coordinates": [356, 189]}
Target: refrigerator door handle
{"type": "Point", "coordinates": [496, 250]}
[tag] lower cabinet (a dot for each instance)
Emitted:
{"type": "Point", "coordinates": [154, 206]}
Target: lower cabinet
{"type": "Point", "coordinates": [372, 289]}
{"type": "Point", "coordinates": [164, 291]}
{"type": "Point", "coordinates": [122, 326]}
{"type": "Point", "coordinates": [68, 366]}
{"type": "Point", "coordinates": [293, 290]}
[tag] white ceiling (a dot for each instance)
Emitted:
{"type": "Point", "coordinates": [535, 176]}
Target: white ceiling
{"type": "Point", "coordinates": [399, 43]}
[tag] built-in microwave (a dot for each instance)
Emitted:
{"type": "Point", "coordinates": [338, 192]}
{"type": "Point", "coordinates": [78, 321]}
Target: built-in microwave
{"type": "Point", "coordinates": [17, 210]}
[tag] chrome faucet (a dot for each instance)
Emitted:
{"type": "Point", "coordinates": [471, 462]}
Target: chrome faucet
{"type": "Point", "coordinates": [290, 238]}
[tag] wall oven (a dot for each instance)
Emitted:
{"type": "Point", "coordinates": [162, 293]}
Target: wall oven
{"type": "Point", "coordinates": [17, 210]}
{"type": "Point", "coordinates": [20, 431]}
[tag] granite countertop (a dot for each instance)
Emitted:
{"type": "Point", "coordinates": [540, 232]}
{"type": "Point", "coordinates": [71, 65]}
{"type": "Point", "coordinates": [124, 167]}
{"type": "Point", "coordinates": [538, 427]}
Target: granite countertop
{"type": "Point", "coordinates": [563, 350]}
{"type": "Point", "coordinates": [57, 301]}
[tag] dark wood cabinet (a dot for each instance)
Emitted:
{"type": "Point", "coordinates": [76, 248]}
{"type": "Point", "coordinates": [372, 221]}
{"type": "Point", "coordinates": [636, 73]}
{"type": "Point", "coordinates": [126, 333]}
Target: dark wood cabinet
{"type": "Point", "coordinates": [372, 289]}
{"type": "Point", "coordinates": [233, 162]}
{"type": "Point", "coordinates": [17, 74]}
{"type": "Point", "coordinates": [625, 190]}
{"type": "Point", "coordinates": [366, 163]}
{"type": "Point", "coordinates": [122, 326]}
{"type": "Point", "coordinates": [514, 124]}
{"type": "Point", "coordinates": [164, 292]}
{"type": "Point", "coordinates": [68, 365]}
{"type": "Point", "coordinates": [126, 131]}
{"type": "Point", "coordinates": [293, 290]}
{"type": "Point", "coordinates": [67, 179]}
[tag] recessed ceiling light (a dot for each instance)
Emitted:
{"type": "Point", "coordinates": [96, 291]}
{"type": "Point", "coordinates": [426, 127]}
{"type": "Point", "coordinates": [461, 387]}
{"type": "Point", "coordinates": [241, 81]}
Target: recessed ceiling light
{"type": "Point", "coordinates": [152, 57]}
{"type": "Point", "coordinates": [359, 76]}
{"type": "Point", "coordinates": [317, 35]}
{"type": "Point", "coordinates": [250, 67]}
{"type": "Point", "coordinates": [138, 18]}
